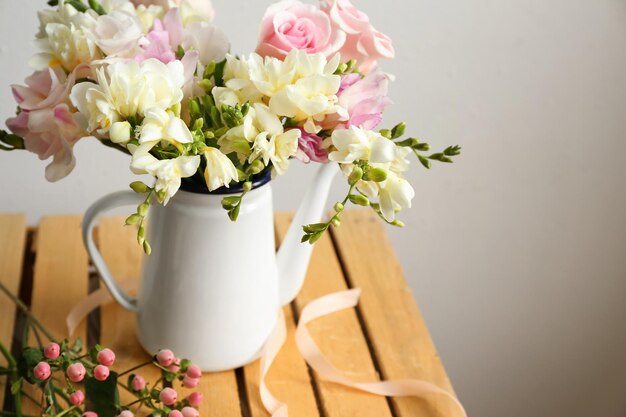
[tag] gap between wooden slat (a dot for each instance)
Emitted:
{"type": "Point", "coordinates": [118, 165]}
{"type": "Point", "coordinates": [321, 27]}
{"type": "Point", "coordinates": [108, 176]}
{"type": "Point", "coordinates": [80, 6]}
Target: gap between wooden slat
{"type": "Point", "coordinates": [12, 248]}
{"type": "Point", "coordinates": [339, 336]}
{"type": "Point", "coordinates": [399, 337]}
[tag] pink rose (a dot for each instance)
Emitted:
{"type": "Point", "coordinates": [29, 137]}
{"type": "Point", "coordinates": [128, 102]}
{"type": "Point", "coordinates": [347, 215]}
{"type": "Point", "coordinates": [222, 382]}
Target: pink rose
{"type": "Point", "coordinates": [363, 43]}
{"type": "Point", "coordinates": [365, 99]}
{"type": "Point", "coordinates": [156, 45]}
{"type": "Point", "coordinates": [291, 24]}
{"type": "Point", "coordinates": [310, 148]}
{"type": "Point", "coordinates": [46, 120]}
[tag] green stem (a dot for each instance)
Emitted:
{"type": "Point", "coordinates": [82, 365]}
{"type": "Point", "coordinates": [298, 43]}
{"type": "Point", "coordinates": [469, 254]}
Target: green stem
{"type": "Point", "coordinates": [135, 368]}
{"type": "Point", "coordinates": [139, 400]}
{"type": "Point", "coordinates": [26, 311]}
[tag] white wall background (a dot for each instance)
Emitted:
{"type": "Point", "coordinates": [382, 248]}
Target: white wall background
{"type": "Point", "coordinates": [516, 254]}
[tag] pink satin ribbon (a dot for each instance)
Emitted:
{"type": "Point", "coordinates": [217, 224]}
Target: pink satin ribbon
{"type": "Point", "coordinates": [309, 350]}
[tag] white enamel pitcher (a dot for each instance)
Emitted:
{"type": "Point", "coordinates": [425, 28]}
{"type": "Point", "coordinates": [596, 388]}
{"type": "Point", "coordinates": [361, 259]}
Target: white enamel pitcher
{"type": "Point", "coordinates": [212, 288]}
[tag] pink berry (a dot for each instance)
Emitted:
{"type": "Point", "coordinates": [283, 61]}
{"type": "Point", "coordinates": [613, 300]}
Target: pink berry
{"type": "Point", "coordinates": [165, 357]}
{"type": "Point", "coordinates": [189, 382]}
{"type": "Point", "coordinates": [126, 413]}
{"type": "Point", "coordinates": [52, 351]}
{"type": "Point", "coordinates": [195, 399]}
{"type": "Point", "coordinates": [101, 372]}
{"type": "Point", "coordinates": [138, 383]}
{"type": "Point", "coordinates": [168, 396]}
{"type": "Point", "coordinates": [194, 371]}
{"type": "Point", "coordinates": [175, 413]}
{"type": "Point", "coordinates": [77, 397]}
{"type": "Point", "coordinates": [175, 366]}
{"type": "Point", "coordinates": [106, 357]}
{"type": "Point", "coordinates": [76, 372]}
{"type": "Point", "coordinates": [190, 412]}
{"type": "Point", "coordinates": [42, 371]}
{"type": "Point", "coordinates": [90, 414]}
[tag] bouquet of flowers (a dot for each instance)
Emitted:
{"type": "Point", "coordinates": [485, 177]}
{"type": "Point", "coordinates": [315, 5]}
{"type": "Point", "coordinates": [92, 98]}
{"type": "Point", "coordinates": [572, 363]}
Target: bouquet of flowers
{"type": "Point", "coordinates": [155, 79]}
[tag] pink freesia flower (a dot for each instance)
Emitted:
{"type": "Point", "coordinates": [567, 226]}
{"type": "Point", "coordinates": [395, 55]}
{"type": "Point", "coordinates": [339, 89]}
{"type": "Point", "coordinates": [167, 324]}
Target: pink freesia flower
{"type": "Point", "coordinates": [310, 148]}
{"type": "Point", "coordinates": [363, 43]}
{"type": "Point", "coordinates": [291, 24]}
{"type": "Point", "coordinates": [365, 99]}
{"type": "Point", "coordinates": [156, 45]}
{"type": "Point", "coordinates": [46, 119]}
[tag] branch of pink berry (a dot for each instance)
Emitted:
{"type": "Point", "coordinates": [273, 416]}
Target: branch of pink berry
{"type": "Point", "coordinates": [74, 382]}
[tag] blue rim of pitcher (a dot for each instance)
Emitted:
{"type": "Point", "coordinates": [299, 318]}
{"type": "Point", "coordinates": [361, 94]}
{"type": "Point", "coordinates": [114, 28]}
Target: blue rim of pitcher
{"type": "Point", "coordinates": [257, 181]}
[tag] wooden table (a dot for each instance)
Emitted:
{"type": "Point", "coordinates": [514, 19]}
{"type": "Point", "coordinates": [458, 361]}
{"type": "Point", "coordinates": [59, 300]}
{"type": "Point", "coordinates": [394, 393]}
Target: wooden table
{"type": "Point", "coordinates": [385, 337]}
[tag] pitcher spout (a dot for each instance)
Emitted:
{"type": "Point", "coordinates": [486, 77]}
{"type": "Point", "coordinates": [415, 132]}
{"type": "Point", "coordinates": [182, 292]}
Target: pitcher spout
{"type": "Point", "coordinates": [293, 257]}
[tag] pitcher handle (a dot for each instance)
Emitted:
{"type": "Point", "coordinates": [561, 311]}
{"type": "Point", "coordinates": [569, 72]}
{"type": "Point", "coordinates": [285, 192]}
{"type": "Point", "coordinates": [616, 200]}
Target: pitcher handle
{"type": "Point", "coordinates": [106, 203]}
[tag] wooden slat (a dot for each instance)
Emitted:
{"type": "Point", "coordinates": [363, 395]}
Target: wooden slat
{"type": "Point", "coordinates": [119, 248]}
{"type": "Point", "coordinates": [124, 256]}
{"type": "Point", "coordinates": [339, 336]}
{"type": "Point", "coordinates": [288, 379]}
{"type": "Point", "coordinates": [399, 336]}
{"type": "Point", "coordinates": [60, 279]}
{"type": "Point", "coordinates": [12, 241]}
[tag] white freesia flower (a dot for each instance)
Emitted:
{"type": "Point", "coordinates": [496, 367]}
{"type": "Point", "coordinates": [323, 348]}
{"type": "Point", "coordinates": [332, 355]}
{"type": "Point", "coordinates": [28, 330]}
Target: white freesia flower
{"type": "Point", "coordinates": [161, 125]}
{"type": "Point", "coordinates": [224, 96]}
{"type": "Point", "coordinates": [239, 138]}
{"type": "Point", "coordinates": [195, 10]}
{"type": "Point", "coordinates": [128, 89]}
{"type": "Point", "coordinates": [355, 144]}
{"type": "Point", "coordinates": [120, 132]}
{"type": "Point", "coordinates": [273, 143]}
{"type": "Point", "coordinates": [148, 14]}
{"type": "Point", "coordinates": [395, 193]}
{"type": "Point", "coordinates": [65, 38]}
{"type": "Point", "coordinates": [168, 172]}
{"type": "Point", "coordinates": [400, 163]}
{"type": "Point", "coordinates": [117, 33]}
{"type": "Point", "coordinates": [220, 171]}
{"type": "Point", "coordinates": [118, 5]}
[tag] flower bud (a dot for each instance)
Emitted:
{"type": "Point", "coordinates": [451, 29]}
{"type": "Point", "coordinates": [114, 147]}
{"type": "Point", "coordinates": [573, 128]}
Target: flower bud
{"type": "Point", "coordinates": [355, 176]}
{"type": "Point", "coordinates": [120, 132]}
{"type": "Point", "coordinates": [189, 382]}
{"type": "Point", "coordinates": [247, 186]}
{"type": "Point", "coordinates": [194, 371]}
{"type": "Point", "coordinates": [386, 133]}
{"type": "Point", "coordinates": [359, 200]}
{"type": "Point", "coordinates": [256, 167]}
{"type": "Point", "coordinates": [175, 413]}
{"type": "Point", "coordinates": [147, 248]}
{"type": "Point", "coordinates": [142, 210]}
{"type": "Point", "coordinates": [90, 414]}
{"type": "Point", "coordinates": [133, 219]}
{"type": "Point", "coordinates": [139, 187]}
{"type": "Point", "coordinates": [206, 85]}
{"type": "Point", "coordinates": [126, 413]}
{"type": "Point", "coordinates": [398, 130]}
{"type": "Point", "coordinates": [338, 207]}
{"type": "Point", "coordinates": [336, 222]}
{"type": "Point", "coordinates": [194, 107]}
{"type": "Point", "coordinates": [376, 175]}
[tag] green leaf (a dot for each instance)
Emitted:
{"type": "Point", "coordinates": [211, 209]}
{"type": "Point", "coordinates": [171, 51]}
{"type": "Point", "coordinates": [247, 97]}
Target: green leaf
{"type": "Point", "coordinates": [16, 386]}
{"type": "Point", "coordinates": [315, 227]}
{"type": "Point", "coordinates": [398, 130]}
{"type": "Point", "coordinates": [97, 7]}
{"type": "Point", "coordinates": [452, 150]}
{"type": "Point", "coordinates": [234, 213]}
{"type": "Point", "coordinates": [29, 358]}
{"type": "Point", "coordinates": [219, 73]}
{"type": "Point", "coordinates": [103, 396]}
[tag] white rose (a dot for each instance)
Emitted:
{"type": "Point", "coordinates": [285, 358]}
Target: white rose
{"type": "Point", "coordinates": [220, 171]}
